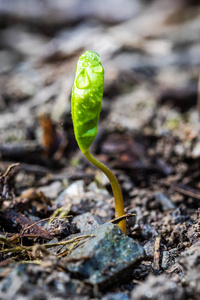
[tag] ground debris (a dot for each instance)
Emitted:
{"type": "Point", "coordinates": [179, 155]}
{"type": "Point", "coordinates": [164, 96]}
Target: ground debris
{"type": "Point", "coordinates": [25, 279]}
{"type": "Point", "coordinates": [7, 184]}
{"type": "Point", "coordinates": [148, 134]}
{"type": "Point", "coordinates": [111, 254]}
{"type": "Point", "coordinates": [159, 287]}
{"type": "Point", "coordinates": [17, 222]}
{"type": "Point", "coordinates": [189, 262]}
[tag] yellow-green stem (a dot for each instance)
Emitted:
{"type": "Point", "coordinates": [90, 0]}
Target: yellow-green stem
{"type": "Point", "coordinates": [119, 204]}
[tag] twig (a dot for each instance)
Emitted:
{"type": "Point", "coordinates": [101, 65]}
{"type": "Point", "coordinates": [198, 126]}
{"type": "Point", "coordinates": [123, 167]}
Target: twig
{"type": "Point", "coordinates": [157, 254]}
{"type": "Point", "coordinates": [185, 190]}
{"type": "Point", "coordinates": [9, 169]}
{"type": "Point", "coordinates": [78, 238]}
{"type": "Point", "coordinates": [24, 233]}
{"type": "Point", "coordinates": [46, 219]}
{"type": "Point", "coordinates": [116, 220]}
{"type": "Point", "coordinates": [15, 248]}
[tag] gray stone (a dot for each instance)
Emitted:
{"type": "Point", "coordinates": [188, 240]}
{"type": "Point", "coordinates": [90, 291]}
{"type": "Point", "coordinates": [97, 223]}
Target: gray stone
{"type": "Point", "coordinates": [82, 199]}
{"type": "Point", "coordinates": [168, 258]}
{"type": "Point", "coordinates": [86, 221]}
{"type": "Point", "coordinates": [110, 256]}
{"type": "Point", "coordinates": [149, 248]}
{"type": "Point", "coordinates": [165, 202]}
{"type": "Point", "coordinates": [75, 189]}
{"type": "Point", "coordinates": [52, 190]}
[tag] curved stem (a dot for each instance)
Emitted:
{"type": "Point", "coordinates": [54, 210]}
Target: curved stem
{"type": "Point", "coordinates": [119, 204]}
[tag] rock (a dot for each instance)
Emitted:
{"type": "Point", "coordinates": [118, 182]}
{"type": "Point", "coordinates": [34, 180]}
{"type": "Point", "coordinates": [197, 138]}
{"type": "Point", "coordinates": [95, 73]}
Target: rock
{"type": "Point", "coordinates": [110, 256]}
{"type": "Point", "coordinates": [84, 199]}
{"type": "Point", "coordinates": [165, 202]}
{"type": "Point", "coordinates": [168, 258]}
{"type": "Point", "coordinates": [86, 222]}
{"type": "Point", "coordinates": [149, 248]}
{"type": "Point", "coordinates": [92, 187]}
{"type": "Point", "coordinates": [158, 288]}
{"type": "Point", "coordinates": [52, 190]}
{"type": "Point", "coordinates": [62, 228]}
{"type": "Point", "coordinates": [179, 215]}
{"type": "Point", "coordinates": [74, 189]}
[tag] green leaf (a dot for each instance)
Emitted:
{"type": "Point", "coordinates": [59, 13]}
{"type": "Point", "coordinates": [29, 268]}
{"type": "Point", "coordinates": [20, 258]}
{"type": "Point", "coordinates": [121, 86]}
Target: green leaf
{"type": "Point", "coordinates": [86, 99]}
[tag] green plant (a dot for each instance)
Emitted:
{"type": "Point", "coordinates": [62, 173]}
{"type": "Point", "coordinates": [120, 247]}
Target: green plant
{"type": "Point", "coordinates": [86, 102]}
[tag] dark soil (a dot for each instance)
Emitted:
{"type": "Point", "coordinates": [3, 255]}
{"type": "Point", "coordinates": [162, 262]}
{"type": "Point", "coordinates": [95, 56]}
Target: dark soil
{"type": "Point", "coordinates": [149, 135]}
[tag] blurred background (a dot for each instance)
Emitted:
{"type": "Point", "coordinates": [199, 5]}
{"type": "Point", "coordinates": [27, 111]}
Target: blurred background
{"type": "Point", "coordinates": [151, 54]}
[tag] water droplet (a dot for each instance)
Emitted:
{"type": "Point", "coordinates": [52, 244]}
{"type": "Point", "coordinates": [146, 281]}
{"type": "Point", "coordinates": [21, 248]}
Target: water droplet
{"type": "Point", "coordinates": [82, 80]}
{"type": "Point", "coordinates": [85, 64]}
{"type": "Point", "coordinates": [92, 102]}
{"type": "Point", "coordinates": [98, 69]}
{"type": "Point", "coordinates": [84, 107]}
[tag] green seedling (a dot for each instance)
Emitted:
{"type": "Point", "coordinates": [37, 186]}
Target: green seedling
{"type": "Point", "coordinates": [86, 102]}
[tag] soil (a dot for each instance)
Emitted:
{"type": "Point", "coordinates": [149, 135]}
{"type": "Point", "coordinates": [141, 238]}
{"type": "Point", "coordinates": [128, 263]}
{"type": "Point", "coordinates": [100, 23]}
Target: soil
{"type": "Point", "coordinates": [148, 134]}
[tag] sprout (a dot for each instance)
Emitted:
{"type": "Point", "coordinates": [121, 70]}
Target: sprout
{"type": "Point", "coordinates": [86, 103]}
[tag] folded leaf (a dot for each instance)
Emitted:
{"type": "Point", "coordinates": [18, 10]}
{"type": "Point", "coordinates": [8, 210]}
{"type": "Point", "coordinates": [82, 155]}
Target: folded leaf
{"type": "Point", "coordinates": [86, 99]}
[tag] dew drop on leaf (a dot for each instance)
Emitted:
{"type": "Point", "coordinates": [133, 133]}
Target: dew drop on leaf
{"type": "Point", "coordinates": [98, 69]}
{"type": "Point", "coordinates": [85, 64]}
{"type": "Point", "coordinates": [82, 81]}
